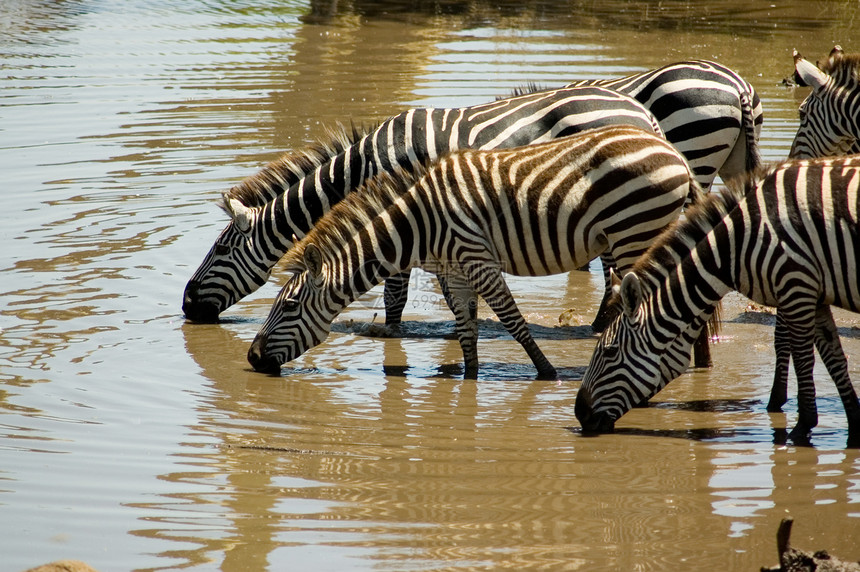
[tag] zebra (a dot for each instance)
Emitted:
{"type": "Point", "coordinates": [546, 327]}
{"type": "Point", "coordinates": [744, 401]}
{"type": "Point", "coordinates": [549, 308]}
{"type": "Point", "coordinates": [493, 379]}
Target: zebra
{"type": "Point", "coordinates": [830, 114]}
{"type": "Point", "coordinates": [829, 125]}
{"type": "Point", "coordinates": [257, 236]}
{"type": "Point", "coordinates": [535, 210]}
{"type": "Point", "coordinates": [708, 111]}
{"type": "Point", "coordinates": [790, 241]}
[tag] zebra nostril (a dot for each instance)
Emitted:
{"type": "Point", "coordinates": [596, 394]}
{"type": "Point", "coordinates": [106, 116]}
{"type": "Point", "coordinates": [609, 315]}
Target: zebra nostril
{"type": "Point", "coordinates": [190, 294]}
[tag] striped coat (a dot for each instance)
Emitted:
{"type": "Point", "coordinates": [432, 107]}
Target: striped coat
{"type": "Point", "coordinates": [791, 243]}
{"type": "Point", "coordinates": [472, 216]}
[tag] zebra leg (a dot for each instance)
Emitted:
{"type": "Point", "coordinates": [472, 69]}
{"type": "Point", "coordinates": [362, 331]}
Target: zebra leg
{"type": "Point", "coordinates": [604, 315]}
{"type": "Point", "coordinates": [830, 349]}
{"type": "Point", "coordinates": [802, 335]}
{"type": "Point", "coordinates": [702, 348]}
{"type": "Point", "coordinates": [463, 301]}
{"type": "Point", "coordinates": [395, 293]}
{"type": "Point", "coordinates": [782, 348]}
{"type": "Point", "coordinates": [488, 281]}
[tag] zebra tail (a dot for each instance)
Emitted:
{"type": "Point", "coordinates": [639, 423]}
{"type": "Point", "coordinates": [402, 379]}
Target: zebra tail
{"type": "Point", "coordinates": [753, 155]}
{"type": "Point", "coordinates": [696, 194]}
{"type": "Point", "coordinates": [715, 323]}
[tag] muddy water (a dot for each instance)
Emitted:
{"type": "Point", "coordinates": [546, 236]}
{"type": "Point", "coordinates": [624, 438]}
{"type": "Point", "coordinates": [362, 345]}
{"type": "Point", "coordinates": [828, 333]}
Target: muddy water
{"type": "Point", "coordinates": [136, 441]}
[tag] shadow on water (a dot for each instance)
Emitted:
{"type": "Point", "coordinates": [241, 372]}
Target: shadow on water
{"type": "Point", "coordinates": [780, 436]}
{"type": "Point", "coordinates": [444, 329]}
{"type": "Point", "coordinates": [767, 317]}
{"type": "Point", "coordinates": [489, 371]}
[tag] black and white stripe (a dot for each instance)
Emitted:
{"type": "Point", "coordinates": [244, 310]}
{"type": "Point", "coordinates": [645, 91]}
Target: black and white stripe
{"type": "Point", "coordinates": [830, 115]}
{"type": "Point", "coordinates": [257, 237]}
{"type": "Point", "coordinates": [829, 125]}
{"type": "Point", "coordinates": [531, 211]}
{"type": "Point", "coordinates": [709, 112]}
{"type": "Point", "coordinates": [791, 243]}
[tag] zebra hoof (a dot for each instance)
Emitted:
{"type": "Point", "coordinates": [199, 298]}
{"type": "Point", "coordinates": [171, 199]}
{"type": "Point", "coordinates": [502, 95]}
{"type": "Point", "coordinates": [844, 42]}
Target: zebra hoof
{"type": "Point", "coordinates": [773, 407]}
{"type": "Point", "coordinates": [547, 375]}
{"type": "Point", "coordinates": [853, 431]}
{"type": "Point", "coordinates": [801, 436]}
{"type": "Point", "coordinates": [777, 400]}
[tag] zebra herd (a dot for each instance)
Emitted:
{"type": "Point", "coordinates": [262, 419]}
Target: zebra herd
{"type": "Point", "coordinates": [545, 181]}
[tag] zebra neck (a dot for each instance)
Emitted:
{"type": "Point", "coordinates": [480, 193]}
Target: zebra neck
{"type": "Point", "coordinates": [682, 297]}
{"type": "Point", "coordinates": [388, 244]}
{"type": "Point", "coordinates": [297, 210]}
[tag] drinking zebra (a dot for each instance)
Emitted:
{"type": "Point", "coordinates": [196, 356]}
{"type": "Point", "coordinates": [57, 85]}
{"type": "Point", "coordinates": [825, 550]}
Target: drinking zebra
{"type": "Point", "coordinates": [531, 211]}
{"type": "Point", "coordinates": [790, 242]}
{"type": "Point", "coordinates": [711, 114]}
{"type": "Point", "coordinates": [830, 115]}
{"type": "Point", "coordinates": [245, 252]}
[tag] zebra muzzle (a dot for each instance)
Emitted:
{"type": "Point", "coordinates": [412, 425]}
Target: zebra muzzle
{"type": "Point", "coordinates": [258, 358]}
{"type": "Point", "coordinates": [592, 423]}
{"type": "Point", "coordinates": [197, 310]}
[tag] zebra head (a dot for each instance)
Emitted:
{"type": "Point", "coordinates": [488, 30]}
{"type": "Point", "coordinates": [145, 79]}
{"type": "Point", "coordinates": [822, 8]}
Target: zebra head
{"type": "Point", "coordinates": [235, 266]}
{"type": "Point", "coordinates": [628, 365]}
{"type": "Point", "coordinates": [300, 317]}
{"type": "Point", "coordinates": [830, 115]}
{"type": "Point", "coordinates": [605, 394]}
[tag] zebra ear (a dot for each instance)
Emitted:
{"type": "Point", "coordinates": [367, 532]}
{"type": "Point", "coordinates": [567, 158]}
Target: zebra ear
{"type": "Point", "coordinates": [313, 259]}
{"type": "Point", "coordinates": [808, 73]}
{"type": "Point", "coordinates": [240, 214]}
{"type": "Point", "coordinates": [835, 54]}
{"type": "Point", "coordinates": [631, 294]}
{"type": "Point", "coordinates": [614, 282]}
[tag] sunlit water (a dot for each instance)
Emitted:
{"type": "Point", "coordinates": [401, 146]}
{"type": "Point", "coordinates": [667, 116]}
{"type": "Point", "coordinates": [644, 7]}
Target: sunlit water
{"type": "Point", "coordinates": [134, 440]}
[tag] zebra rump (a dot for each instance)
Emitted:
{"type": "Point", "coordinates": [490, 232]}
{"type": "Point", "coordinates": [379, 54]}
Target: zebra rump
{"type": "Point", "coordinates": [710, 113]}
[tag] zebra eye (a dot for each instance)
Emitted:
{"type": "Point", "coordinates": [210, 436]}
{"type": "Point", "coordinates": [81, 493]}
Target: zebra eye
{"type": "Point", "coordinates": [291, 305]}
{"type": "Point", "coordinates": [222, 249]}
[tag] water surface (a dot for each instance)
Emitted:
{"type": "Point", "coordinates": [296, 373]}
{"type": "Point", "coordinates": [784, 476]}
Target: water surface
{"type": "Point", "coordinates": [134, 440]}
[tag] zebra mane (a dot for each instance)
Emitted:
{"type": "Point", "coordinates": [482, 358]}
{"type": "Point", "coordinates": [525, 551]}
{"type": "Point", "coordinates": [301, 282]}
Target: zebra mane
{"type": "Point", "coordinates": [285, 171]}
{"type": "Point", "coordinates": [526, 89]}
{"type": "Point", "coordinates": [844, 67]}
{"type": "Point", "coordinates": [699, 219]}
{"type": "Point", "coordinates": [338, 226]}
